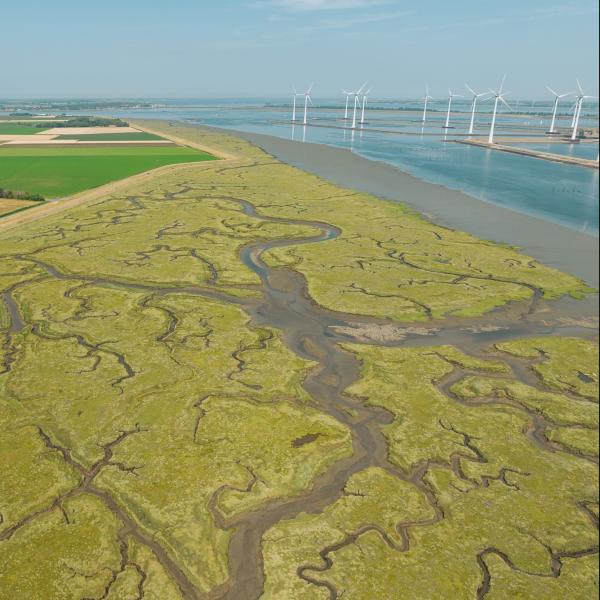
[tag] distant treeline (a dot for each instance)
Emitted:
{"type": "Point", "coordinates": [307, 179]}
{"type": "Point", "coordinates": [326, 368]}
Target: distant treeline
{"type": "Point", "coordinates": [74, 105]}
{"type": "Point", "coordinates": [15, 195]}
{"type": "Point", "coordinates": [86, 122]}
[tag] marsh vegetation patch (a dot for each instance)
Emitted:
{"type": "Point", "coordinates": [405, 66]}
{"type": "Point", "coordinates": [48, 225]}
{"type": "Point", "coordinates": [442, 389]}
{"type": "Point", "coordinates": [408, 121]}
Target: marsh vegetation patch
{"type": "Point", "coordinates": [179, 423]}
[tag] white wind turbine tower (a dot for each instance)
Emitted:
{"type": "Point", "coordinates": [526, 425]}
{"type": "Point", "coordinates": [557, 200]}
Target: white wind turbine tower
{"type": "Point", "coordinates": [296, 95]}
{"type": "Point", "coordinates": [352, 95]}
{"type": "Point", "coordinates": [348, 95]}
{"type": "Point", "coordinates": [356, 105]}
{"type": "Point", "coordinates": [557, 98]}
{"type": "Point", "coordinates": [451, 95]}
{"type": "Point", "coordinates": [574, 107]}
{"type": "Point", "coordinates": [427, 99]}
{"type": "Point", "coordinates": [579, 103]}
{"type": "Point", "coordinates": [307, 99]}
{"type": "Point", "coordinates": [476, 97]}
{"type": "Point", "coordinates": [498, 97]}
{"type": "Point", "coordinates": [364, 105]}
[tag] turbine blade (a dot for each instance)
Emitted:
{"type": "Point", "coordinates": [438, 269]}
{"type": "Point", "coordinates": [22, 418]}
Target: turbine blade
{"type": "Point", "coordinates": [505, 103]}
{"type": "Point", "coordinates": [502, 84]}
{"type": "Point", "coordinates": [552, 91]}
{"type": "Point", "coordinates": [470, 89]}
{"type": "Point", "coordinates": [579, 86]}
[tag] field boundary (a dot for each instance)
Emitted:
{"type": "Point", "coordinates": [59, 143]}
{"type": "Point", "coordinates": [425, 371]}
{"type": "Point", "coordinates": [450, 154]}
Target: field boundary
{"type": "Point", "coordinates": [184, 142]}
{"type": "Point", "coordinates": [34, 213]}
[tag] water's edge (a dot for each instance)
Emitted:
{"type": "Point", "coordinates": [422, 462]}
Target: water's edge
{"type": "Point", "coordinates": [550, 243]}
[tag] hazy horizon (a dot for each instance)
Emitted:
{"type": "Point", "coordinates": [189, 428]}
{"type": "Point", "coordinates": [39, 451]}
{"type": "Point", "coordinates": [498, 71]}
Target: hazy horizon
{"type": "Point", "coordinates": [259, 49]}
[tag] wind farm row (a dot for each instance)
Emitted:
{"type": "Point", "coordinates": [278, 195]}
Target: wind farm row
{"type": "Point", "coordinates": [356, 103]}
{"type": "Point", "coordinates": [355, 109]}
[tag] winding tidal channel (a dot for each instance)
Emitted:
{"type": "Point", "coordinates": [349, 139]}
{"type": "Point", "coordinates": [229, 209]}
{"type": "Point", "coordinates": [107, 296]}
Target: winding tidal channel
{"type": "Point", "coordinates": [315, 333]}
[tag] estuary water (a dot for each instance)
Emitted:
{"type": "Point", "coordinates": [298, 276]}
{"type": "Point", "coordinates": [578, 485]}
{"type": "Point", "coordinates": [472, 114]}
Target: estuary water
{"type": "Point", "coordinates": [563, 194]}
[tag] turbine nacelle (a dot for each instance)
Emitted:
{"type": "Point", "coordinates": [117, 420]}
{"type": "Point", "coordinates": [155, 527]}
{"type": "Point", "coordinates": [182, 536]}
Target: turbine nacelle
{"type": "Point", "coordinates": [557, 95]}
{"type": "Point", "coordinates": [474, 93]}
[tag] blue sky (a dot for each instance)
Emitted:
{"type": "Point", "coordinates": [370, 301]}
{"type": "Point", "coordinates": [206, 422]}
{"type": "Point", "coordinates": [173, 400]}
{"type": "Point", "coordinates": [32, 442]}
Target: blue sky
{"type": "Point", "coordinates": [253, 48]}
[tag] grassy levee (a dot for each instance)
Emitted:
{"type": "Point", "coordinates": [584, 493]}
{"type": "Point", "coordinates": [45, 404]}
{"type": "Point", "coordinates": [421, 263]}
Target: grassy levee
{"type": "Point", "coordinates": [143, 415]}
{"type": "Point", "coordinates": [58, 172]}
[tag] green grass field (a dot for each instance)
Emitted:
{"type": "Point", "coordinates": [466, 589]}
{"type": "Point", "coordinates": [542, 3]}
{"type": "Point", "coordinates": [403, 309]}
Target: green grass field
{"type": "Point", "coordinates": [19, 129]}
{"type": "Point", "coordinates": [111, 137]}
{"type": "Point", "coordinates": [58, 172]}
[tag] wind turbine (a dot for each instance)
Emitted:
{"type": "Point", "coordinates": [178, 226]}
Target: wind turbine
{"type": "Point", "coordinates": [557, 98]}
{"type": "Point", "coordinates": [348, 95]}
{"type": "Point", "coordinates": [364, 105]}
{"type": "Point", "coordinates": [427, 99]}
{"type": "Point", "coordinates": [307, 99]}
{"type": "Point", "coordinates": [296, 94]}
{"type": "Point", "coordinates": [579, 103]}
{"type": "Point", "coordinates": [356, 104]}
{"type": "Point", "coordinates": [450, 97]}
{"type": "Point", "coordinates": [476, 97]}
{"type": "Point", "coordinates": [498, 97]}
{"type": "Point", "coordinates": [351, 95]}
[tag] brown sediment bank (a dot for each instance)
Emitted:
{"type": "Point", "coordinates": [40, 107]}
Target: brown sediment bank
{"type": "Point", "coordinates": [552, 244]}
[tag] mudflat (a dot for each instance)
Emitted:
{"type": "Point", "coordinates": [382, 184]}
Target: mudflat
{"type": "Point", "coordinates": [553, 244]}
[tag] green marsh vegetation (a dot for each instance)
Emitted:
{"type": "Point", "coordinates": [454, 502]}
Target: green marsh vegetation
{"type": "Point", "coordinates": [489, 510]}
{"type": "Point", "coordinates": [144, 417]}
{"type": "Point", "coordinates": [393, 264]}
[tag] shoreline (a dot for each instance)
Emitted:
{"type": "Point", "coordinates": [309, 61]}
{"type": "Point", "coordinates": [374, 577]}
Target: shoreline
{"type": "Point", "coordinates": [550, 243]}
{"type": "Point", "coordinates": [539, 154]}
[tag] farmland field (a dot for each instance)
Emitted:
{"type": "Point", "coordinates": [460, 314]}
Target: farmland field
{"type": "Point", "coordinates": [20, 129]}
{"type": "Point", "coordinates": [8, 205]}
{"type": "Point", "coordinates": [112, 137]}
{"type": "Point", "coordinates": [56, 172]}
